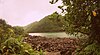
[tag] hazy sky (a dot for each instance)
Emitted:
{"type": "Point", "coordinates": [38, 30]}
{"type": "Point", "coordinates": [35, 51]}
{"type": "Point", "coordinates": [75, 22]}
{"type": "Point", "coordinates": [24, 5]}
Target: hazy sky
{"type": "Point", "coordinates": [23, 12]}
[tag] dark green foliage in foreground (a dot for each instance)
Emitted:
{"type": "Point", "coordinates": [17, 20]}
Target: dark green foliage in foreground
{"type": "Point", "coordinates": [83, 17]}
{"type": "Point", "coordinates": [92, 49]}
{"type": "Point", "coordinates": [47, 24]}
{"type": "Point", "coordinates": [11, 41]}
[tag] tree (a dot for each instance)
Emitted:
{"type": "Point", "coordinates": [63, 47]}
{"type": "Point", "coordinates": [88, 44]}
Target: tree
{"type": "Point", "coordinates": [11, 41]}
{"type": "Point", "coordinates": [18, 30]}
{"type": "Point", "coordinates": [82, 16]}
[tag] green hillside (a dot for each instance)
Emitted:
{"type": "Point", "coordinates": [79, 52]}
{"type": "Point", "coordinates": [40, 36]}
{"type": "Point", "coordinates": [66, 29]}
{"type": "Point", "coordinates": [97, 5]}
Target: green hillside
{"type": "Point", "coordinates": [47, 24]}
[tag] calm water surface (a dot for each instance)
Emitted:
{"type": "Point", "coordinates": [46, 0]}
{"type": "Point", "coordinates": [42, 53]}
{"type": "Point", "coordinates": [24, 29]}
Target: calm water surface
{"type": "Point", "coordinates": [52, 34]}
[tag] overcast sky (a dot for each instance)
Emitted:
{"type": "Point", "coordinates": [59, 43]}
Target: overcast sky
{"type": "Point", "coordinates": [23, 12]}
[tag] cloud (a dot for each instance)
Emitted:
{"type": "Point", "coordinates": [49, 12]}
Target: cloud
{"type": "Point", "coordinates": [23, 12]}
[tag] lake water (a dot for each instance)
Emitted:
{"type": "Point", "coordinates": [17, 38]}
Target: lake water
{"type": "Point", "coordinates": [52, 34]}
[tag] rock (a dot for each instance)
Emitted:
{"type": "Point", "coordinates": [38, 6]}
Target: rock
{"type": "Point", "coordinates": [65, 46]}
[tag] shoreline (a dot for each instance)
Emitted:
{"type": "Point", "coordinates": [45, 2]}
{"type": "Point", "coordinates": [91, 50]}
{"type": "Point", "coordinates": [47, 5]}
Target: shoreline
{"type": "Point", "coordinates": [56, 45]}
{"type": "Point", "coordinates": [53, 35]}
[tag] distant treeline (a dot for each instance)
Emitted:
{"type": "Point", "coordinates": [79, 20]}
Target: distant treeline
{"type": "Point", "coordinates": [50, 23]}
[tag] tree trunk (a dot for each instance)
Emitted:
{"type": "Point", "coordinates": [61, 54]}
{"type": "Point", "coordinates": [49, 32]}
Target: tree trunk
{"type": "Point", "coordinates": [95, 27]}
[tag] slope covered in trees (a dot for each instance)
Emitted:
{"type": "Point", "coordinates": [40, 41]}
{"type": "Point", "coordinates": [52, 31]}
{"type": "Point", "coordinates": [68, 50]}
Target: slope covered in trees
{"type": "Point", "coordinates": [50, 23]}
{"type": "Point", "coordinates": [11, 41]}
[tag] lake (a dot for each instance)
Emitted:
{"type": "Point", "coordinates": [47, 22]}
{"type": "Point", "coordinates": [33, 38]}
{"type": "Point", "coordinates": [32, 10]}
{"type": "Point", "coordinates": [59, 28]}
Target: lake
{"type": "Point", "coordinates": [52, 34]}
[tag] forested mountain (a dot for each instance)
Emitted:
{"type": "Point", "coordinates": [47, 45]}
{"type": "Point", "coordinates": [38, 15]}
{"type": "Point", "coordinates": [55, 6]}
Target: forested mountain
{"type": "Point", "coordinates": [50, 23]}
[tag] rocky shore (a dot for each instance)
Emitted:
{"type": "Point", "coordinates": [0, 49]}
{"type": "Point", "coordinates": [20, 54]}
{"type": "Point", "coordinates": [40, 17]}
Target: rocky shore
{"type": "Point", "coordinates": [53, 46]}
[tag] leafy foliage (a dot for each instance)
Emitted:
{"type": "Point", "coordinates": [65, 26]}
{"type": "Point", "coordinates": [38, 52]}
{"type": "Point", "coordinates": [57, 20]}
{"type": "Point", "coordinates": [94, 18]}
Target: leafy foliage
{"type": "Point", "coordinates": [83, 17]}
{"type": "Point", "coordinates": [18, 30]}
{"type": "Point", "coordinates": [92, 49]}
{"type": "Point", "coordinates": [78, 15]}
{"type": "Point", "coordinates": [11, 41]}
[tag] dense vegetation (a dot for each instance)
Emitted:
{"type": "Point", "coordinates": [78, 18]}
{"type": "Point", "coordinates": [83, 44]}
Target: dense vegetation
{"type": "Point", "coordinates": [83, 17]}
{"type": "Point", "coordinates": [11, 41]}
{"type": "Point", "coordinates": [47, 24]}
